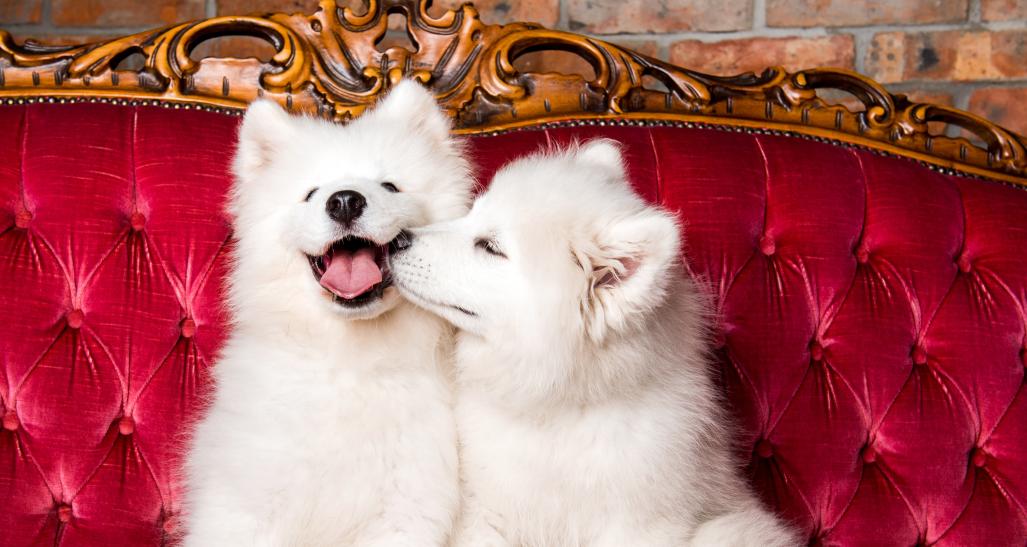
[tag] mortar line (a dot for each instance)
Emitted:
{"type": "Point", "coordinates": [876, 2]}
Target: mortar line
{"type": "Point", "coordinates": [759, 15]}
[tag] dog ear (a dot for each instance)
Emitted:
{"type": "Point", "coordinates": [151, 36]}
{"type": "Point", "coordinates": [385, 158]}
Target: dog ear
{"type": "Point", "coordinates": [629, 264]}
{"type": "Point", "coordinates": [413, 105]}
{"type": "Point", "coordinates": [604, 154]}
{"type": "Point", "coordinates": [266, 129]}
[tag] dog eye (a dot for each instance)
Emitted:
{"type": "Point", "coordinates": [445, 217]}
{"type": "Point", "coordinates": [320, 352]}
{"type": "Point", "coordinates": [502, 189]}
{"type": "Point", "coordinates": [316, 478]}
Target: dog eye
{"type": "Point", "coordinates": [489, 246]}
{"type": "Point", "coordinates": [310, 194]}
{"type": "Point", "coordinates": [390, 187]}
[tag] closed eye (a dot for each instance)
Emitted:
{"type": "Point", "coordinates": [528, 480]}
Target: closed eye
{"type": "Point", "coordinates": [310, 194]}
{"type": "Point", "coordinates": [489, 246]}
{"type": "Point", "coordinates": [390, 187]}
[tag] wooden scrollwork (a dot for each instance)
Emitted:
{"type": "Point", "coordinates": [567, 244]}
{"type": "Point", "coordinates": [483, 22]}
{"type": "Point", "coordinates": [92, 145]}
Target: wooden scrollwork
{"type": "Point", "coordinates": [333, 63]}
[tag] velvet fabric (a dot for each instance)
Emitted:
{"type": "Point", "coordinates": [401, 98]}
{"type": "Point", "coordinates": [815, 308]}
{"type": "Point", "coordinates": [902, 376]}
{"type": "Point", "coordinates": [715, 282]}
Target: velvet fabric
{"type": "Point", "coordinates": [870, 335]}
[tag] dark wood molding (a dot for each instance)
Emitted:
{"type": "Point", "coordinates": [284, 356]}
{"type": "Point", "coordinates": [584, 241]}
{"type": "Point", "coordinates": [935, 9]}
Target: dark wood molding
{"type": "Point", "coordinates": [331, 64]}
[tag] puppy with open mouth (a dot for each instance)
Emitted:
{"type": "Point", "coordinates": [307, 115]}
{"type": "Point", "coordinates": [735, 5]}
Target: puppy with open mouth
{"type": "Point", "coordinates": [585, 406]}
{"type": "Point", "coordinates": [331, 422]}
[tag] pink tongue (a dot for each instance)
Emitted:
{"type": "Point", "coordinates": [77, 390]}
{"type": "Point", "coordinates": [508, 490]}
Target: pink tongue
{"type": "Point", "coordinates": [350, 275]}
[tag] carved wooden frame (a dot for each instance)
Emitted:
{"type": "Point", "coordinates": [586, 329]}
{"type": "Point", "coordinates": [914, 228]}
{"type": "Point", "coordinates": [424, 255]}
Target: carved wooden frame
{"type": "Point", "coordinates": [329, 64]}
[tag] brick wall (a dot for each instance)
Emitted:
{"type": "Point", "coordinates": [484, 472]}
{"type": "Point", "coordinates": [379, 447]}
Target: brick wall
{"type": "Point", "coordinates": [968, 53]}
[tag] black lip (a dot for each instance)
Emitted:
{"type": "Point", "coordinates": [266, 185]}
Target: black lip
{"type": "Point", "coordinates": [429, 301]}
{"type": "Point", "coordinates": [317, 268]}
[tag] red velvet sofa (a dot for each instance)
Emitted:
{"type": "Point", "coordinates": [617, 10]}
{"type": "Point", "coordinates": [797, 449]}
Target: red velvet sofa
{"type": "Point", "coordinates": [872, 300]}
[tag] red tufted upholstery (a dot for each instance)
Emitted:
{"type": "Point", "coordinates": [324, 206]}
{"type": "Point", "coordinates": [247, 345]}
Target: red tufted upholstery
{"type": "Point", "coordinates": [871, 341]}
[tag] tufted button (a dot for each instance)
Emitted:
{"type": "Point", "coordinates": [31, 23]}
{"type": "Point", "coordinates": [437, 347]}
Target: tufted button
{"type": "Point", "coordinates": [170, 525]}
{"type": "Point", "coordinates": [64, 512]}
{"type": "Point", "coordinates": [75, 318]}
{"type": "Point", "coordinates": [719, 340]}
{"type": "Point", "coordinates": [764, 449]}
{"type": "Point", "coordinates": [979, 458]}
{"type": "Point", "coordinates": [138, 221]}
{"type": "Point", "coordinates": [862, 255]}
{"type": "Point", "coordinates": [816, 351]}
{"type": "Point", "coordinates": [126, 425]}
{"type": "Point", "coordinates": [964, 263]}
{"type": "Point", "coordinates": [10, 421]}
{"type": "Point", "coordinates": [22, 218]}
{"type": "Point", "coordinates": [919, 356]}
{"type": "Point", "coordinates": [869, 455]}
{"type": "Point", "coordinates": [188, 328]}
{"type": "Point", "coordinates": [767, 245]}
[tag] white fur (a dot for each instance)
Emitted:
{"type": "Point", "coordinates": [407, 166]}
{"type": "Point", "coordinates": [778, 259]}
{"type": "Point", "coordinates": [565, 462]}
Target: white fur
{"type": "Point", "coordinates": [330, 426]}
{"type": "Point", "coordinates": [586, 411]}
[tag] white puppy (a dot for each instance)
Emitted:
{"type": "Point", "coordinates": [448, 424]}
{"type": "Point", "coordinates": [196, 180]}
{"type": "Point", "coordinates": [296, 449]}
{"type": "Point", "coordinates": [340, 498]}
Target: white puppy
{"type": "Point", "coordinates": [331, 422]}
{"type": "Point", "coordinates": [586, 411]}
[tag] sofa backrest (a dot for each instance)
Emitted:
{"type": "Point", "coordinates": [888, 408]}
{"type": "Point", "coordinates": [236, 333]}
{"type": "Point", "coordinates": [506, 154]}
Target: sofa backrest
{"type": "Point", "coordinates": [868, 274]}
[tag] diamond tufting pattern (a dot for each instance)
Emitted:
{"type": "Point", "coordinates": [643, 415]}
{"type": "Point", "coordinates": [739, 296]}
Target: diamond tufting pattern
{"type": "Point", "coordinates": [870, 344]}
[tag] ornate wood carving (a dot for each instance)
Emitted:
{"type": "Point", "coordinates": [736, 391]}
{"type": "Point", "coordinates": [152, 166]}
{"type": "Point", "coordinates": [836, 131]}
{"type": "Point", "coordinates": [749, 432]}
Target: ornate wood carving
{"type": "Point", "coordinates": [331, 64]}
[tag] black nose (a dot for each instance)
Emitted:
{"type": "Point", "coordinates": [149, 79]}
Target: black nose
{"type": "Point", "coordinates": [402, 242]}
{"type": "Point", "coordinates": [346, 206]}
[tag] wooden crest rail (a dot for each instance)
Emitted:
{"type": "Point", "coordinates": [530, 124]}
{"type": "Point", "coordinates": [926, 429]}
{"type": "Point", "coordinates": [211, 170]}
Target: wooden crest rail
{"type": "Point", "coordinates": [332, 64]}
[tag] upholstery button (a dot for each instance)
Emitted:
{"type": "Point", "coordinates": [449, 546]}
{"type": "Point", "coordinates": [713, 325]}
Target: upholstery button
{"type": "Point", "coordinates": [964, 263]}
{"type": "Point", "coordinates": [816, 351]}
{"type": "Point", "coordinates": [919, 356]}
{"type": "Point", "coordinates": [869, 455]}
{"type": "Point", "coordinates": [10, 421]}
{"type": "Point", "coordinates": [719, 340]}
{"type": "Point", "coordinates": [862, 255]}
{"type": "Point", "coordinates": [767, 245]}
{"type": "Point", "coordinates": [64, 513]}
{"type": "Point", "coordinates": [980, 457]}
{"type": "Point", "coordinates": [138, 221]}
{"type": "Point", "coordinates": [126, 425]}
{"type": "Point", "coordinates": [188, 328]}
{"type": "Point", "coordinates": [764, 449]}
{"type": "Point", "coordinates": [22, 218]}
{"type": "Point", "coordinates": [75, 318]}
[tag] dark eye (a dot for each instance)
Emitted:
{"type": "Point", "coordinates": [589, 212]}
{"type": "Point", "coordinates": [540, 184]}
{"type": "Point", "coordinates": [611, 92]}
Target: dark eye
{"type": "Point", "coordinates": [390, 187]}
{"type": "Point", "coordinates": [310, 194]}
{"type": "Point", "coordinates": [489, 246]}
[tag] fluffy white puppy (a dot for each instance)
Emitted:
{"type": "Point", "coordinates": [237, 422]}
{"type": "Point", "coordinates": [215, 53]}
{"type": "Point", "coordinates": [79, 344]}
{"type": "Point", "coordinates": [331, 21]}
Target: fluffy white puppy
{"type": "Point", "coordinates": [331, 422]}
{"type": "Point", "coordinates": [586, 411]}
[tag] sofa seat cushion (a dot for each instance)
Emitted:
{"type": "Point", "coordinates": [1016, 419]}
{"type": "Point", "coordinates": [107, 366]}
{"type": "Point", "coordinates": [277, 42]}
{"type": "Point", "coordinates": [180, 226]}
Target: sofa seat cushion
{"type": "Point", "coordinates": [870, 340]}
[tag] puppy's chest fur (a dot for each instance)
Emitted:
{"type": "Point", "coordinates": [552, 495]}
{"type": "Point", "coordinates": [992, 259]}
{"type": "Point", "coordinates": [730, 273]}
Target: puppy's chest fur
{"type": "Point", "coordinates": [562, 475]}
{"type": "Point", "coordinates": [320, 430]}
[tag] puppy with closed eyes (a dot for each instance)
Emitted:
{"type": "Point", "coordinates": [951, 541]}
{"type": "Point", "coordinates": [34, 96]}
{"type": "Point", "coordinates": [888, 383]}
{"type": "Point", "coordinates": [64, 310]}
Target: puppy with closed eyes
{"type": "Point", "coordinates": [586, 411]}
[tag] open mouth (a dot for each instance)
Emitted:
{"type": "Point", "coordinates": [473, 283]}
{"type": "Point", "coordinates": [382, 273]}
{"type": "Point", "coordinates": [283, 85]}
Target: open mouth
{"type": "Point", "coordinates": [355, 270]}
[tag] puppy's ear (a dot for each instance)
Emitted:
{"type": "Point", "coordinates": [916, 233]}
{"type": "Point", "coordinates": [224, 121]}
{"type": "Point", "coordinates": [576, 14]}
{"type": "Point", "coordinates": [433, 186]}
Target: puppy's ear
{"type": "Point", "coordinates": [629, 263]}
{"type": "Point", "coordinates": [602, 153]}
{"type": "Point", "coordinates": [266, 129]}
{"type": "Point", "coordinates": [413, 105]}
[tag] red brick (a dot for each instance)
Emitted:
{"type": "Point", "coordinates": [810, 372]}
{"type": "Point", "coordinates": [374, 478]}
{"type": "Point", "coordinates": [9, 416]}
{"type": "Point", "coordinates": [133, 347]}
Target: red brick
{"type": "Point", "coordinates": [244, 7]}
{"type": "Point", "coordinates": [20, 11]}
{"type": "Point", "coordinates": [948, 55]}
{"type": "Point", "coordinates": [645, 47]}
{"type": "Point", "coordinates": [606, 17]}
{"type": "Point", "coordinates": [930, 97]}
{"type": "Point", "coordinates": [237, 47]}
{"type": "Point", "coordinates": [545, 12]}
{"type": "Point", "coordinates": [1003, 10]}
{"type": "Point", "coordinates": [736, 56]}
{"type": "Point", "coordinates": [840, 13]}
{"type": "Point", "coordinates": [114, 13]}
{"type": "Point", "coordinates": [1004, 105]}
